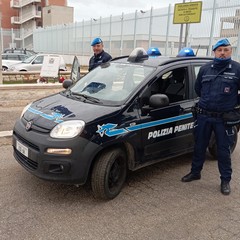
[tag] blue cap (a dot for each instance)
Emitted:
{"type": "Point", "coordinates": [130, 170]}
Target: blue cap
{"type": "Point", "coordinates": [223, 42]}
{"type": "Point", "coordinates": [153, 51]}
{"type": "Point", "coordinates": [96, 41]}
{"type": "Point", "coordinates": [186, 52]}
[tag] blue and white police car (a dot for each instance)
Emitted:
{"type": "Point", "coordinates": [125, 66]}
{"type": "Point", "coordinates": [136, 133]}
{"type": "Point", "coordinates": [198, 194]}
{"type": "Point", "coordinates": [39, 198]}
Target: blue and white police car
{"type": "Point", "coordinates": [121, 116]}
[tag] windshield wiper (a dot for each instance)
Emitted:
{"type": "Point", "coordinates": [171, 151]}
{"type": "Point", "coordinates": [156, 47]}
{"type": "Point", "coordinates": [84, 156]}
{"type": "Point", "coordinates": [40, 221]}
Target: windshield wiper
{"type": "Point", "coordinates": [90, 98]}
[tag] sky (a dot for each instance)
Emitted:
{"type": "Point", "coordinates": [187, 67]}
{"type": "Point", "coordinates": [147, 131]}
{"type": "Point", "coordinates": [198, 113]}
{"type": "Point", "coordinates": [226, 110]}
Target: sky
{"type": "Point", "coordinates": [87, 9]}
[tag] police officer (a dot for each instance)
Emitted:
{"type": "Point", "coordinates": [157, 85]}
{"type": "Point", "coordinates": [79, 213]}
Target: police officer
{"type": "Point", "coordinates": [100, 56]}
{"type": "Point", "coordinates": [217, 86]}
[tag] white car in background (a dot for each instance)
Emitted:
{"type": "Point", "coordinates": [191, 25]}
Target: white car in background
{"type": "Point", "coordinates": [35, 62]}
{"type": "Point", "coordinates": [9, 59]}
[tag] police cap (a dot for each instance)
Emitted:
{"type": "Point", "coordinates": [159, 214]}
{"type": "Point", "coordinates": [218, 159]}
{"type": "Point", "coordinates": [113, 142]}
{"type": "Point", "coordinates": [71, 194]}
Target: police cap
{"type": "Point", "coordinates": [96, 41]}
{"type": "Point", "coordinates": [222, 42]}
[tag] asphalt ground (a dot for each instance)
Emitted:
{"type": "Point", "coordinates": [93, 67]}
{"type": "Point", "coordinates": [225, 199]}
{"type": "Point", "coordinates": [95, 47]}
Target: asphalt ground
{"type": "Point", "coordinates": [154, 204]}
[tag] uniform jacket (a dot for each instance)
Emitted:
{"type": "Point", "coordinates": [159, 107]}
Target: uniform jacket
{"type": "Point", "coordinates": [98, 59]}
{"type": "Point", "coordinates": [218, 85]}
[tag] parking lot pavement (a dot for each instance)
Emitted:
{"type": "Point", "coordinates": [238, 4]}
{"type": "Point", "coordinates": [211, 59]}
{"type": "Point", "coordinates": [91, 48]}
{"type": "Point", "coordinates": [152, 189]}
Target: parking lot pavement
{"type": "Point", "coordinates": [154, 204]}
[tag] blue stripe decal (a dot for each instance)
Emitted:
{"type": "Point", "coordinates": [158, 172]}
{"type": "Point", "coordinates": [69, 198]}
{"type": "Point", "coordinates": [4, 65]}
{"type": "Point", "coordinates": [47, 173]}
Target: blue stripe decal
{"type": "Point", "coordinates": [56, 117]}
{"type": "Point", "coordinates": [159, 122]}
{"type": "Point", "coordinates": [110, 131]}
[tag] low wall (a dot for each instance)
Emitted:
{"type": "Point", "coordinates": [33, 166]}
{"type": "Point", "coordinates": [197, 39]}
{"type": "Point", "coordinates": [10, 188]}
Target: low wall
{"type": "Point", "coordinates": [27, 77]}
{"type": "Point", "coordinates": [32, 77]}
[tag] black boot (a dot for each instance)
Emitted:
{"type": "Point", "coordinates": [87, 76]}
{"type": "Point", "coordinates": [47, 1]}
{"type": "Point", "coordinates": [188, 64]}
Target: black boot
{"type": "Point", "coordinates": [191, 177]}
{"type": "Point", "coordinates": [225, 188]}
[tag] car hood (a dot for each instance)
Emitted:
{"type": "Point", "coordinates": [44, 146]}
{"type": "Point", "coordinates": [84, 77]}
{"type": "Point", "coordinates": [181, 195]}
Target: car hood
{"type": "Point", "coordinates": [48, 112]}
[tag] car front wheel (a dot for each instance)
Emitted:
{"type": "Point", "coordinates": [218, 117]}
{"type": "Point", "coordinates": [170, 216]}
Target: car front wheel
{"type": "Point", "coordinates": [109, 174]}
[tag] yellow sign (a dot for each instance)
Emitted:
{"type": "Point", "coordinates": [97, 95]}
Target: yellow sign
{"type": "Point", "coordinates": [187, 12]}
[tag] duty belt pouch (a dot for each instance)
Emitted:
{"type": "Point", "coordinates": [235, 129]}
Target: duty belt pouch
{"type": "Point", "coordinates": [194, 111]}
{"type": "Point", "coordinates": [232, 118]}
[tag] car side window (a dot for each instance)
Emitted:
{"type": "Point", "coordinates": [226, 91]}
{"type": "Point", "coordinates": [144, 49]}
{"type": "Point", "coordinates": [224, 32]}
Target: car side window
{"type": "Point", "coordinates": [38, 60]}
{"type": "Point", "coordinates": [196, 71]}
{"type": "Point", "coordinates": [173, 83]}
{"type": "Point", "coordinates": [21, 57]}
{"type": "Point", "coordinates": [13, 57]}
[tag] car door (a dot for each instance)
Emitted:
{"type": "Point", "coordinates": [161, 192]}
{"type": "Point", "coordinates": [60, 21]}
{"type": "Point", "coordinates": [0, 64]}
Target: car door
{"type": "Point", "coordinates": [36, 64]}
{"type": "Point", "coordinates": [167, 131]}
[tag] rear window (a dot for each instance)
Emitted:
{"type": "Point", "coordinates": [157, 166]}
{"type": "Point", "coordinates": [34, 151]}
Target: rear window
{"type": "Point", "coordinates": [14, 57]}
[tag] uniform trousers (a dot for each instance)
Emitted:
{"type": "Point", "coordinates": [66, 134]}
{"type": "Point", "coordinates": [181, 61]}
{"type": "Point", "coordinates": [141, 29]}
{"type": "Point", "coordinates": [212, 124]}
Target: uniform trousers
{"type": "Point", "coordinates": [204, 126]}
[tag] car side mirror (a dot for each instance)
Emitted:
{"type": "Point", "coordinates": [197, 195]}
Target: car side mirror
{"type": "Point", "coordinates": [67, 83]}
{"type": "Point", "coordinates": [158, 101]}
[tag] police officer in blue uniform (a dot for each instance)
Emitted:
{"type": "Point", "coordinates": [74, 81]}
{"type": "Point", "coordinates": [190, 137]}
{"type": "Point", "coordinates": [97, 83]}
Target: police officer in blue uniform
{"type": "Point", "coordinates": [217, 85]}
{"type": "Point", "coordinates": [100, 56]}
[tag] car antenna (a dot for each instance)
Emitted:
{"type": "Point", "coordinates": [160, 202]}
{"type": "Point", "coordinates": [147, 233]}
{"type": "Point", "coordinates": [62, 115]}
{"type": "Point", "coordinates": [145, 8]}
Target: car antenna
{"type": "Point", "coordinates": [197, 49]}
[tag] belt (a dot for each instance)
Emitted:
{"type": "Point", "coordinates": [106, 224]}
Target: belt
{"type": "Point", "coordinates": [209, 113]}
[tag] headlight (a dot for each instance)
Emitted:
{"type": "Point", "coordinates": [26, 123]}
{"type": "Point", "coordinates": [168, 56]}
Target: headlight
{"type": "Point", "coordinates": [25, 109]}
{"type": "Point", "coordinates": [68, 129]}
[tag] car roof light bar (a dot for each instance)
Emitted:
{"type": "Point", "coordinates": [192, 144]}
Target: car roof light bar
{"type": "Point", "coordinates": [138, 55]}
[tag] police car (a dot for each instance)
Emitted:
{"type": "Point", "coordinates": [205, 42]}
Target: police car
{"type": "Point", "coordinates": [124, 115]}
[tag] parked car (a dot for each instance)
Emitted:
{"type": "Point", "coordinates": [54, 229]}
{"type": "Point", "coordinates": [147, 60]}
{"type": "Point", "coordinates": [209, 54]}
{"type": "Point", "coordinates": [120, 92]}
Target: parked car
{"type": "Point", "coordinates": [9, 59]}
{"type": "Point", "coordinates": [35, 62]}
{"type": "Point", "coordinates": [20, 51]}
{"type": "Point", "coordinates": [123, 115]}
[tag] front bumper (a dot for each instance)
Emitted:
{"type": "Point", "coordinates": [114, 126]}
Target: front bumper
{"type": "Point", "coordinates": [72, 168]}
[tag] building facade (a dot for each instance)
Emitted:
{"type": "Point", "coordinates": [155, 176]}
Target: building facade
{"type": "Point", "coordinates": [23, 16]}
{"type": "Point", "coordinates": [56, 15]}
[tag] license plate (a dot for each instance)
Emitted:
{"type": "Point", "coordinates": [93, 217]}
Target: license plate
{"type": "Point", "coordinates": [22, 149]}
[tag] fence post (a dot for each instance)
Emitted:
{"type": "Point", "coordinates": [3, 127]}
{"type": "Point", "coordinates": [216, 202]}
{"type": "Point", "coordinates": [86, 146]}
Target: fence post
{"type": "Point", "coordinates": [110, 35]}
{"type": "Point", "coordinates": [121, 45]}
{"type": "Point", "coordinates": [82, 36]}
{"type": "Point", "coordinates": [212, 29]}
{"type": "Point", "coordinates": [134, 30]}
{"type": "Point", "coordinates": [150, 29]}
{"type": "Point", "coordinates": [167, 32]}
{"type": "Point", "coordinates": [100, 27]}
{"type": "Point", "coordinates": [237, 55]}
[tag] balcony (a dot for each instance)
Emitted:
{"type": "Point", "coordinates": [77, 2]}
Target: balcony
{"type": "Point", "coordinates": [22, 3]}
{"type": "Point", "coordinates": [24, 34]}
{"type": "Point", "coordinates": [26, 17]}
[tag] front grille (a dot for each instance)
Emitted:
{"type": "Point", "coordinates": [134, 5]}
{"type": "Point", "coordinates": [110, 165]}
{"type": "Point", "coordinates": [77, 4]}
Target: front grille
{"type": "Point", "coordinates": [28, 163]}
{"type": "Point", "coordinates": [35, 127]}
{"type": "Point", "coordinates": [26, 142]}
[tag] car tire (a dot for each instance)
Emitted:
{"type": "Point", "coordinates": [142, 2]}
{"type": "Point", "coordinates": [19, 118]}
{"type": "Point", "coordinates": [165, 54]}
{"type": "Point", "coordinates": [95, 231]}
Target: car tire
{"type": "Point", "coordinates": [4, 68]}
{"type": "Point", "coordinates": [109, 174]}
{"type": "Point", "coordinates": [212, 148]}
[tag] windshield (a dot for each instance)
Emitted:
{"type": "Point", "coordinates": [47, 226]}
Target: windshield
{"type": "Point", "coordinates": [29, 59]}
{"type": "Point", "coordinates": [112, 82]}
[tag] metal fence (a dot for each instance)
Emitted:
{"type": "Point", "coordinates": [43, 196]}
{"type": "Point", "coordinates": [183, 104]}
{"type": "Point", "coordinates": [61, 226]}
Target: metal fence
{"type": "Point", "coordinates": [152, 28]}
